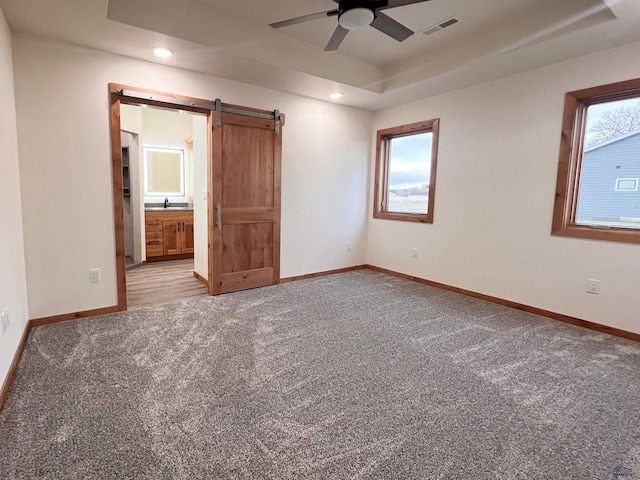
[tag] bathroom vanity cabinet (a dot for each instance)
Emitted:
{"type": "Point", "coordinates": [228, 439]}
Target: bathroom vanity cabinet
{"type": "Point", "coordinates": [169, 234]}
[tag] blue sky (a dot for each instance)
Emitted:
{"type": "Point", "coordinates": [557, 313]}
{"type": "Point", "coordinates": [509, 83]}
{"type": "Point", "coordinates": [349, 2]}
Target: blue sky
{"type": "Point", "coordinates": [410, 161]}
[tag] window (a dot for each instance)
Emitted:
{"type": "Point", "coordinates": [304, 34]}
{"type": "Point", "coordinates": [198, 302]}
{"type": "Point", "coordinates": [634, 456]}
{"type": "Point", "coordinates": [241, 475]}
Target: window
{"type": "Point", "coordinates": [597, 193]}
{"type": "Point", "coordinates": [406, 172]}
{"type": "Point", "coordinates": [626, 184]}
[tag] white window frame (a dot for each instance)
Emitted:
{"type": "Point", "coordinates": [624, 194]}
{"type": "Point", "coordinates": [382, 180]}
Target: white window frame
{"type": "Point", "coordinates": [618, 189]}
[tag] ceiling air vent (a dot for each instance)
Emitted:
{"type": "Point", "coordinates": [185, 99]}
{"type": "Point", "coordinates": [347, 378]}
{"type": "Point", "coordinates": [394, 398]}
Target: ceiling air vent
{"type": "Point", "coordinates": [440, 25]}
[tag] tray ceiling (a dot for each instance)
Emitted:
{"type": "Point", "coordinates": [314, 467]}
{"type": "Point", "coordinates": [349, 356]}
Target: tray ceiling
{"type": "Point", "coordinates": [233, 39]}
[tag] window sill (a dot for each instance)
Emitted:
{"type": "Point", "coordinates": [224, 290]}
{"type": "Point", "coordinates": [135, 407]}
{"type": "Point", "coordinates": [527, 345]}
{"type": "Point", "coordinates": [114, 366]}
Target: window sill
{"type": "Point", "coordinates": [610, 234]}
{"type": "Point", "coordinates": [405, 217]}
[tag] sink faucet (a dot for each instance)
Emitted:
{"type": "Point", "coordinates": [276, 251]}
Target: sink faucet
{"type": "Point", "coordinates": [166, 202]}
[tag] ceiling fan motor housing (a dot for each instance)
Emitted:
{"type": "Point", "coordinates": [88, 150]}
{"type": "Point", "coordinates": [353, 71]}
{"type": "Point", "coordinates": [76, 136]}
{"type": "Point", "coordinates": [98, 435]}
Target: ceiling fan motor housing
{"type": "Point", "coordinates": [354, 14]}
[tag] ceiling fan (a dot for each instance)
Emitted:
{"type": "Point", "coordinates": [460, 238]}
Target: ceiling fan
{"type": "Point", "coordinates": [353, 14]}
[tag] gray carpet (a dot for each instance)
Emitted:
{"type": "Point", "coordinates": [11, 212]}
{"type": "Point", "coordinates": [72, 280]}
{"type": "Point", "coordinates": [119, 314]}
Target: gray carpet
{"type": "Point", "coordinates": [358, 375]}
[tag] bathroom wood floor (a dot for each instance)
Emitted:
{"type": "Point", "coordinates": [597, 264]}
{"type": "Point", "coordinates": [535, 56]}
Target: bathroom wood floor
{"type": "Point", "coordinates": [162, 282]}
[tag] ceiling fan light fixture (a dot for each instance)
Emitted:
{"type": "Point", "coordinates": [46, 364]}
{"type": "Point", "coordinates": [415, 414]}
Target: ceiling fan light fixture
{"type": "Point", "coordinates": [355, 18]}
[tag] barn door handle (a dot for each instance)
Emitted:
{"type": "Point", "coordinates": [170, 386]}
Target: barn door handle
{"type": "Point", "coordinates": [219, 217]}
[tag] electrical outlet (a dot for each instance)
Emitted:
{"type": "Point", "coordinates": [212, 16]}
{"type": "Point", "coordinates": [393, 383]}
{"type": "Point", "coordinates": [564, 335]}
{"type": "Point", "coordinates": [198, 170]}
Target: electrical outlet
{"type": "Point", "coordinates": [414, 253]}
{"type": "Point", "coordinates": [4, 320]}
{"type": "Point", "coordinates": [593, 286]}
{"type": "Point", "coordinates": [94, 275]}
{"type": "Point", "coordinates": [348, 246]}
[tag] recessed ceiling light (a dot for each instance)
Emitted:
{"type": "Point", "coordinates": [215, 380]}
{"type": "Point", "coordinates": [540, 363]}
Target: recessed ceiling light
{"type": "Point", "coordinates": [162, 52]}
{"type": "Point", "coordinates": [336, 95]}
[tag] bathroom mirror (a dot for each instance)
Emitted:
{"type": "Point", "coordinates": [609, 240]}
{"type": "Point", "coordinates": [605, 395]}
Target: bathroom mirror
{"type": "Point", "coordinates": [163, 172]}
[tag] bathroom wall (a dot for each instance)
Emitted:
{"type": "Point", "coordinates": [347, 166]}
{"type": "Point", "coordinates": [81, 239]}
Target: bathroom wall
{"type": "Point", "coordinates": [131, 122]}
{"type": "Point", "coordinates": [167, 129]}
{"type": "Point", "coordinates": [200, 193]}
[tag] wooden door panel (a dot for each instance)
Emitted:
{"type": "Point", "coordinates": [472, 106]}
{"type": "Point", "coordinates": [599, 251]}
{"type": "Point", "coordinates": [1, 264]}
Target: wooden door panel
{"type": "Point", "coordinates": [247, 167]}
{"type": "Point", "coordinates": [235, 250]}
{"type": "Point", "coordinates": [262, 245]}
{"type": "Point", "coordinates": [232, 282]}
{"type": "Point", "coordinates": [235, 119]}
{"type": "Point", "coordinates": [246, 184]}
{"type": "Point", "coordinates": [234, 216]}
{"type": "Point", "coordinates": [247, 247]}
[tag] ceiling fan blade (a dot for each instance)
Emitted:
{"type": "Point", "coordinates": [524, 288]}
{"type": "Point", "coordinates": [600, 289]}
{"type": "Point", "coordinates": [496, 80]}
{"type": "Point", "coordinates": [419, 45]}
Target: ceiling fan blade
{"type": "Point", "coordinates": [392, 28]}
{"type": "Point", "coordinates": [401, 3]}
{"type": "Point", "coordinates": [336, 39]}
{"type": "Point", "coordinates": [304, 18]}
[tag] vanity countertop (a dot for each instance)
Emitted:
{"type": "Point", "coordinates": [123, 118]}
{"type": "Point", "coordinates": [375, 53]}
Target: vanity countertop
{"type": "Point", "coordinates": [168, 209]}
{"type": "Point", "coordinates": [176, 207]}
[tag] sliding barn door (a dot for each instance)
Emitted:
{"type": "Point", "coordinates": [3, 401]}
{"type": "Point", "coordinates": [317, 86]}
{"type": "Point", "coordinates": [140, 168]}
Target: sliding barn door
{"type": "Point", "coordinates": [246, 201]}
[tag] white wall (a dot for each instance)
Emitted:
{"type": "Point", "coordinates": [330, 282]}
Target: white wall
{"type": "Point", "coordinates": [200, 220]}
{"type": "Point", "coordinates": [497, 165]}
{"type": "Point", "coordinates": [322, 186]}
{"type": "Point", "coordinates": [13, 287]}
{"type": "Point", "coordinates": [68, 205]}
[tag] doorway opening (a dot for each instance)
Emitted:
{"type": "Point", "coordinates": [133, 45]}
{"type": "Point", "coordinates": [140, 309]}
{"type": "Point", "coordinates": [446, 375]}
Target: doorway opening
{"type": "Point", "coordinates": [164, 176]}
{"type": "Point", "coordinates": [238, 187]}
